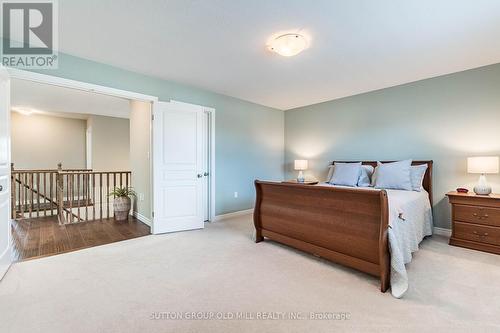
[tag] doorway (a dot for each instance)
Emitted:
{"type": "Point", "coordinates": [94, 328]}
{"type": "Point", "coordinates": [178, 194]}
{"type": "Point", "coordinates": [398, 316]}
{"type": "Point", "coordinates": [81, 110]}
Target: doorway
{"type": "Point", "coordinates": [207, 171]}
{"type": "Point", "coordinates": [70, 151]}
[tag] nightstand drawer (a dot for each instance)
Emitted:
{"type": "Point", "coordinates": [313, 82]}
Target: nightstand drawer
{"type": "Point", "coordinates": [477, 214]}
{"type": "Point", "coordinates": [476, 233]}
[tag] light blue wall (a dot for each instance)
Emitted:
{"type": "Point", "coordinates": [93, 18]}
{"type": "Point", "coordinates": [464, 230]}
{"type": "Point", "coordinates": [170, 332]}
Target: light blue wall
{"type": "Point", "coordinates": [249, 137]}
{"type": "Point", "coordinates": [444, 119]}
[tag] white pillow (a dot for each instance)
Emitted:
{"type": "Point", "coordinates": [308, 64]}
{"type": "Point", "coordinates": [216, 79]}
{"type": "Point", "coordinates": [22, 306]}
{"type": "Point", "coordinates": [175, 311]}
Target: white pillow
{"type": "Point", "coordinates": [346, 174]}
{"type": "Point", "coordinates": [365, 175]}
{"type": "Point", "coordinates": [331, 167]}
{"type": "Point", "coordinates": [394, 175]}
{"type": "Point", "coordinates": [417, 173]}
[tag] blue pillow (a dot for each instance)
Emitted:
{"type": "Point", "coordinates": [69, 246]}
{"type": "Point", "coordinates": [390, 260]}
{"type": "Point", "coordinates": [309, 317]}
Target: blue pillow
{"type": "Point", "coordinates": [396, 175]}
{"type": "Point", "coordinates": [365, 176]}
{"type": "Point", "coordinates": [346, 174]}
{"type": "Point", "coordinates": [417, 173]}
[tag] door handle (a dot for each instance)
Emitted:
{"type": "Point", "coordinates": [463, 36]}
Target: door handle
{"type": "Point", "coordinates": [1, 188]}
{"type": "Point", "coordinates": [205, 174]}
{"type": "Point", "coordinates": [199, 175]}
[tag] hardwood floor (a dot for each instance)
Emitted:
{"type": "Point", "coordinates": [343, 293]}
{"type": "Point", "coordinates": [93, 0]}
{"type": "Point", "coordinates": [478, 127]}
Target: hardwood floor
{"type": "Point", "coordinates": [40, 237]}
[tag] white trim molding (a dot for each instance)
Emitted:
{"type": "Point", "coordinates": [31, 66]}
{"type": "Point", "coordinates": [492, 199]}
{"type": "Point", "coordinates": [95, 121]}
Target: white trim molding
{"type": "Point", "coordinates": [142, 218]}
{"type": "Point", "coordinates": [79, 85]}
{"type": "Point", "coordinates": [233, 214]}
{"type": "Point", "coordinates": [442, 232]}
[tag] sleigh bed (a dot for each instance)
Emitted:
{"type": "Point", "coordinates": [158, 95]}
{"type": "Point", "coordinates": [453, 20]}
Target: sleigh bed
{"type": "Point", "coordinates": [348, 226]}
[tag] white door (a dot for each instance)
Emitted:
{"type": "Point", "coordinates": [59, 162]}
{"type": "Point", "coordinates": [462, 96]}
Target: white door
{"type": "Point", "coordinates": [178, 167]}
{"type": "Point", "coordinates": [5, 249]}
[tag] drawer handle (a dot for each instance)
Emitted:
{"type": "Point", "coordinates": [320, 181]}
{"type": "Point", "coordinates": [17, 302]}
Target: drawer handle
{"type": "Point", "coordinates": [485, 216]}
{"type": "Point", "coordinates": [480, 235]}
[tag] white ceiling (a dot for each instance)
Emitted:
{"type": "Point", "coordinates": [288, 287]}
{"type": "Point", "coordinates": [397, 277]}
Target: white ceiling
{"type": "Point", "coordinates": [219, 45]}
{"type": "Point", "coordinates": [66, 102]}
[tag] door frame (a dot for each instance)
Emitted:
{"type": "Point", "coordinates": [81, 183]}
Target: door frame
{"type": "Point", "coordinates": [5, 256]}
{"type": "Point", "coordinates": [210, 153]}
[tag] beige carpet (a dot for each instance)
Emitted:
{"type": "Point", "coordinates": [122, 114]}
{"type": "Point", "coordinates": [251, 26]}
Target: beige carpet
{"type": "Point", "coordinates": [219, 271]}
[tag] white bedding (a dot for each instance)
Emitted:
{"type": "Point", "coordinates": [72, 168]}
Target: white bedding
{"type": "Point", "coordinates": [410, 220]}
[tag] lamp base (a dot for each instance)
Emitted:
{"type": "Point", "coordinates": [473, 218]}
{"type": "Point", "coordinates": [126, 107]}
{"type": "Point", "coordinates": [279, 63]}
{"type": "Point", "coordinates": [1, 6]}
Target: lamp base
{"type": "Point", "coordinates": [300, 177]}
{"type": "Point", "coordinates": [482, 187]}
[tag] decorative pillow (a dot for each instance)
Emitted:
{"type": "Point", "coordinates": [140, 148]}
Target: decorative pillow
{"type": "Point", "coordinates": [394, 175]}
{"type": "Point", "coordinates": [365, 176]}
{"type": "Point", "coordinates": [417, 173]}
{"type": "Point", "coordinates": [331, 167]}
{"type": "Point", "coordinates": [346, 174]}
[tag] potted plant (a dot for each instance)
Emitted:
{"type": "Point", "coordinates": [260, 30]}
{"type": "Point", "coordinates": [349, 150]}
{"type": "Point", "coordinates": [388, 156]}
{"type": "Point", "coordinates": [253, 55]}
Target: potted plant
{"type": "Point", "coordinates": [122, 202]}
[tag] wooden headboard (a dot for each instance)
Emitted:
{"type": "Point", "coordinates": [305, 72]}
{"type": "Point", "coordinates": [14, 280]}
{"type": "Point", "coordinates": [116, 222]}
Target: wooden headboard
{"type": "Point", "coordinates": [427, 182]}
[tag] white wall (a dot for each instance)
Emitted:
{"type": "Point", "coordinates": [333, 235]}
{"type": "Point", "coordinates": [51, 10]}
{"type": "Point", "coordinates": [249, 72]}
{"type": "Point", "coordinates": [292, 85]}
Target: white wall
{"type": "Point", "coordinates": [110, 143]}
{"type": "Point", "coordinates": [41, 142]}
{"type": "Point", "coordinates": [140, 148]}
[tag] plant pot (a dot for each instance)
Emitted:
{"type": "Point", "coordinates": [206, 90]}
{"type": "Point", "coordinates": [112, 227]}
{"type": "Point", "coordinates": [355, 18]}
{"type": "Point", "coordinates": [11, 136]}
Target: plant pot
{"type": "Point", "coordinates": [121, 206]}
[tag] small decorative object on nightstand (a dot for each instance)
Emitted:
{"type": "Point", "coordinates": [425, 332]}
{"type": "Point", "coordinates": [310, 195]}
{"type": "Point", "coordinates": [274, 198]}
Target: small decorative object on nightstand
{"type": "Point", "coordinates": [482, 165]}
{"type": "Point", "coordinates": [300, 165]}
{"type": "Point", "coordinates": [475, 221]}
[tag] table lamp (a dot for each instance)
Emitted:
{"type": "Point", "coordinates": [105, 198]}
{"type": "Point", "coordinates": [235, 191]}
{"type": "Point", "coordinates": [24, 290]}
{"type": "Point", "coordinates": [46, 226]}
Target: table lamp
{"type": "Point", "coordinates": [300, 165]}
{"type": "Point", "coordinates": [482, 165]}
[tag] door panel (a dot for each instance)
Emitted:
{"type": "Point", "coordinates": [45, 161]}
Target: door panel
{"type": "Point", "coordinates": [177, 166]}
{"type": "Point", "coordinates": [5, 249]}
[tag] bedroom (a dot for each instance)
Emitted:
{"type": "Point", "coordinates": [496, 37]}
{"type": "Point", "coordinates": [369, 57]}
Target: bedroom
{"type": "Point", "coordinates": [375, 81]}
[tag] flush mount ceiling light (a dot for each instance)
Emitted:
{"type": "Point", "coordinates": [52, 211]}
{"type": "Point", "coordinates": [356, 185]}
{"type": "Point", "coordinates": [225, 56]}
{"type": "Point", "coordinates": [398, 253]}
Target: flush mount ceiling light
{"type": "Point", "coordinates": [288, 45]}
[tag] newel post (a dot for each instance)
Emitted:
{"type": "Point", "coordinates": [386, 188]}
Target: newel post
{"type": "Point", "coordinates": [59, 195]}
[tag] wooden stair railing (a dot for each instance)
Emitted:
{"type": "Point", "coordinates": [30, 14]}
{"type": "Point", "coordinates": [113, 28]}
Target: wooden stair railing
{"type": "Point", "coordinates": [76, 195]}
{"type": "Point", "coordinates": [51, 202]}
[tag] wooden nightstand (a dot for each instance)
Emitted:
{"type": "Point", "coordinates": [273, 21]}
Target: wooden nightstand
{"type": "Point", "coordinates": [475, 221]}
{"type": "Point", "coordinates": [305, 182]}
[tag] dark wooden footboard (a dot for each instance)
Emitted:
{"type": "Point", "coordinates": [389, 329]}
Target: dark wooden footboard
{"type": "Point", "coordinates": [346, 226]}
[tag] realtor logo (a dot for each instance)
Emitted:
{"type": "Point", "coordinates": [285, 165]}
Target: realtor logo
{"type": "Point", "coordinates": [29, 34]}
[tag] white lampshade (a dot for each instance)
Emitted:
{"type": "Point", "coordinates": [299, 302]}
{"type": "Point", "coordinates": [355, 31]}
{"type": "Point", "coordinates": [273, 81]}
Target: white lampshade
{"type": "Point", "coordinates": [300, 164]}
{"type": "Point", "coordinates": [482, 164]}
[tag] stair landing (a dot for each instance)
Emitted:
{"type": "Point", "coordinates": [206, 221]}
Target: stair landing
{"type": "Point", "coordinates": [41, 237]}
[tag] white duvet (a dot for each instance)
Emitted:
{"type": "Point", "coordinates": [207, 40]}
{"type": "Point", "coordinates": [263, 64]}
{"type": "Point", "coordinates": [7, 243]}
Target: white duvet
{"type": "Point", "coordinates": [410, 220]}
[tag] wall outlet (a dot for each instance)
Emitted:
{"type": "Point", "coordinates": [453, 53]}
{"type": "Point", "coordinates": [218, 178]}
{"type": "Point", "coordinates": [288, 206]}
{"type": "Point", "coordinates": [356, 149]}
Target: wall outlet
{"type": "Point", "coordinates": [235, 195]}
{"type": "Point", "coordinates": [141, 196]}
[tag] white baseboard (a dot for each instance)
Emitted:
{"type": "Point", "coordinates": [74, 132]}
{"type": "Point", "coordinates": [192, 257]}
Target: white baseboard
{"type": "Point", "coordinates": [233, 214]}
{"type": "Point", "coordinates": [142, 218]}
{"type": "Point", "coordinates": [442, 232]}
